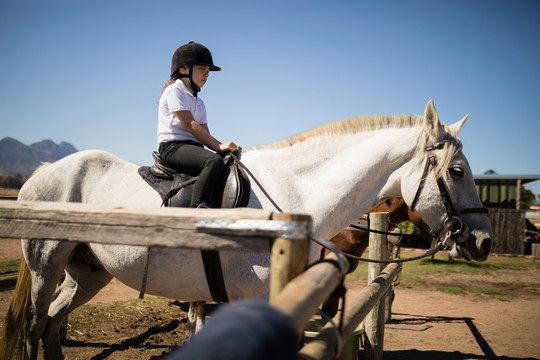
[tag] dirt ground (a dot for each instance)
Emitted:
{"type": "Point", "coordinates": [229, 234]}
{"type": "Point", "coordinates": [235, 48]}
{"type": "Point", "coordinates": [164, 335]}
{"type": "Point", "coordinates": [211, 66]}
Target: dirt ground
{"type": "Point", "coordinates": [426, 323]}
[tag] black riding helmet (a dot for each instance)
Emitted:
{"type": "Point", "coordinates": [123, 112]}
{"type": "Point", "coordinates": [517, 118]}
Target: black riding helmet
{"type": "Point", "coordinates": [191, 54]}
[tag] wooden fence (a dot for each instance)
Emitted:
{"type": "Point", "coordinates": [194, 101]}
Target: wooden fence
{"type": "Point", "coordinates": [369, 304]}
{"type": "Point", "coordinates": [294, 292]}
{"type": "Point", "coordinates": [508, 227]}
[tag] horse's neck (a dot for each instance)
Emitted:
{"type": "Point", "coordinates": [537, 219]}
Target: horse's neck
{"type": "Point", "coordinates": [334, 179]}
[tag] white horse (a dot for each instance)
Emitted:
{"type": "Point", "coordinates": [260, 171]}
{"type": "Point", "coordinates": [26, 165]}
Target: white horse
{"type": "Point", "coordinates": [335, 173]}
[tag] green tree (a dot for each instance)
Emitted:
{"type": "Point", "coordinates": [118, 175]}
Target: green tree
{"type": "Point", "coordinates": [408, 227]}
{"type": "Point", "coordinates": [528, 198]}
{"type": "Point", "coordinates": [11, 181]}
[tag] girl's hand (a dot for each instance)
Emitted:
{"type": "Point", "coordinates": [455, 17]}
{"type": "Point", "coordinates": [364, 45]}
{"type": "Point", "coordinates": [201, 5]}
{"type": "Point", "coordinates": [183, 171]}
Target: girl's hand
{"type": "Point", "coordinates": [230, 146]}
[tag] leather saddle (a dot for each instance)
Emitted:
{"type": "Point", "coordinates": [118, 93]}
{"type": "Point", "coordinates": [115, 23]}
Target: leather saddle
{"type": "Point", "coordinates": [175, 188]}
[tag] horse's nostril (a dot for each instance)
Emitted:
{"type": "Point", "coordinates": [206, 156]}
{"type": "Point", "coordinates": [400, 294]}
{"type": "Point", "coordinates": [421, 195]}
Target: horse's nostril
{"type": "Point", "coordinates": [484, 249]}
{"type": "Point", "coordinates": [486, 246]}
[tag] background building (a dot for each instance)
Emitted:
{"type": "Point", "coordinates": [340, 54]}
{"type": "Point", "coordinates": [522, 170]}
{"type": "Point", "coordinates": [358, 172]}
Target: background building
{"type": "Point", "coordinates": [515, 230]}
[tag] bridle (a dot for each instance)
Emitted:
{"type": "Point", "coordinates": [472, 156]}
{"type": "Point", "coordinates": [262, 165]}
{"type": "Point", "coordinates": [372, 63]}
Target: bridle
{"type": "Point", "coordinates": [453, 226]}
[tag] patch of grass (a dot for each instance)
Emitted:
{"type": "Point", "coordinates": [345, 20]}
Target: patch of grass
{"type": "Point", "coordinates": [452, 290]}
{"type": "Point", "coordinates": [10, 267]}
{"type": "Point", "coordinates": [360, 272]}
{"type": "Point", "coordinates": [459, 291]}
{"type": "Point", "coordinates": [487, 291]}
{"type": "Point", "coordinates": [512, 262]}
{"type": "Point", "coordinates": [441, 263]}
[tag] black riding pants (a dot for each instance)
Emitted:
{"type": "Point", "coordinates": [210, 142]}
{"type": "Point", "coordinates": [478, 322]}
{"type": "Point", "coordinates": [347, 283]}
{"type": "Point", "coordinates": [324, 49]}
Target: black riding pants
{"type": "Point", "coordinates": [193, 159]}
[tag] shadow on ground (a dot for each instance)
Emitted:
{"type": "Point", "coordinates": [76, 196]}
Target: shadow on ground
{"type": "Point", "coordinates": [426, 321]}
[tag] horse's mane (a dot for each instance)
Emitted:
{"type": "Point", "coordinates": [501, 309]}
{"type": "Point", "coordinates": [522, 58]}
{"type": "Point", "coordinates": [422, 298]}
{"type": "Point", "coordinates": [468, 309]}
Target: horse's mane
{"type": "Point", "coordinates": [371, 123]}
{"type": "Point", "coordinates": [42, 166]}
{"type": "Point", "coordinates": [350, 126]}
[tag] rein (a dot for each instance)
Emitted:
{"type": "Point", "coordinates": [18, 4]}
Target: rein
{"type": "Point", "coordinates": [328, 245]}
{"type": "Point", "coordinates": [241, 164]}
{"type": "Point", "coordinates": [455, 228]}
{"type": "Point", "coordinates": [440, 246]}
{"type": "Point", "coordinates": [413, 236]}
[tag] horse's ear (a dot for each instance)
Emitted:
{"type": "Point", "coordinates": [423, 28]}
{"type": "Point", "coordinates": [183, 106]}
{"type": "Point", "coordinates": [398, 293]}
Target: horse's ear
{"type": "Point", "coordinates": [456, 128]}
{"type": "Point", "coordinates": [432, 124]}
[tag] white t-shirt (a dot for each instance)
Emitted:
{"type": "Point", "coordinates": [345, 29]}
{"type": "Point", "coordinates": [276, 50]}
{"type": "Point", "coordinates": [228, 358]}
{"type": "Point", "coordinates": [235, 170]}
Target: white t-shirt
{"type": "Point", "coordinates": [177, 97]}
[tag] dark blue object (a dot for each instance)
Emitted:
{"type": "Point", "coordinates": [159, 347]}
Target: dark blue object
{"type": "Point", "coordinates": [242, 330]}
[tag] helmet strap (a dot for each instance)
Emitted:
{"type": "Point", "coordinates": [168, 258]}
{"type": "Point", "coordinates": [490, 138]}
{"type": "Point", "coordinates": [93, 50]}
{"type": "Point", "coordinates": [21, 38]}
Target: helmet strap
{"type": "Point", "coordinates": [194, 86]}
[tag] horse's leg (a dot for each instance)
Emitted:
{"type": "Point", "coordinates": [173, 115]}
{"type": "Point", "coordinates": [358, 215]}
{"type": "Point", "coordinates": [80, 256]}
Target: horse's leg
{"type": "Point", "coordinates": [80, 285]}
{"type": "Point", "coordinates": [352, 242]}
{"type": "Point", "coordinates": [196, 315]}
{"type": "Point", "coordinates": [192, 315]}
{"type": "Point", "coordinates": [46, 261]}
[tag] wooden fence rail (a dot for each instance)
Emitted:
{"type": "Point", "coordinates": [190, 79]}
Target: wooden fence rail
{"type": "Point", "coordinates": [212, 229]}
{"type": "Point", "coordinates": [325, 344]}
{"type": "Point", "coordinates": [293, 292]}
{"type": "Point", "coordinates": [368, 304]}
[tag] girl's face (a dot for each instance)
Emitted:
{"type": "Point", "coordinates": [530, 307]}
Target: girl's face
{"type": "Point", "coordinates": [199, 75]}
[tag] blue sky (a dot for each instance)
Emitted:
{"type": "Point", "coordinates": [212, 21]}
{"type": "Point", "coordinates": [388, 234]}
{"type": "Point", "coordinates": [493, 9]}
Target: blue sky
{"type": "Point", "coordinates": [90, 72]}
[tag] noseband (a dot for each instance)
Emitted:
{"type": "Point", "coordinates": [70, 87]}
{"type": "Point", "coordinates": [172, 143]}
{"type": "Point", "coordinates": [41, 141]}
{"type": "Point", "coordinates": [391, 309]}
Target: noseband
{"type": "Point", "coordinates": [453, 226]}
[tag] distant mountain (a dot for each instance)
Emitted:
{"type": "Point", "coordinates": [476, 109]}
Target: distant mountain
{"type": "Point", "coordinates": [17, 158]}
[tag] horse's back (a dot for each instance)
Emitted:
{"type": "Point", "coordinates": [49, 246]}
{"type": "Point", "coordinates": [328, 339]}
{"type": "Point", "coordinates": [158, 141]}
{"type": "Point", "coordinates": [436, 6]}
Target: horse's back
{"type": "Point", "coordinates": [90, 176]}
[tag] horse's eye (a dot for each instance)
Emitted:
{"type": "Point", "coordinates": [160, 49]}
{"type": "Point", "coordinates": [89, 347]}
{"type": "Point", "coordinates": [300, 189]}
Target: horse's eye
{"type": "Point", "coordinates": [456, 171]}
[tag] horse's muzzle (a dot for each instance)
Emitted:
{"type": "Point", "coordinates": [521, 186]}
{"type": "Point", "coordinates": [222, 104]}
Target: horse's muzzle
{"type": "Point", "coordinates": [473, 247]}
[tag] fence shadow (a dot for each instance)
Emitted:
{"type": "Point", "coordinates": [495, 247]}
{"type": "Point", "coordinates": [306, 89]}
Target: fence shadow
{"type": "Point", "coordinates": [440, 355]}
{"type": "Point", "coordinates": [134, 342]}
{"type": "Point", "coordinates": [409, 319]}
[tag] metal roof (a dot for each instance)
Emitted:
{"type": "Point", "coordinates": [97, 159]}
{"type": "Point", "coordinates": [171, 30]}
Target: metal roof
{"type": "Point", "coordinates": [505, 179]}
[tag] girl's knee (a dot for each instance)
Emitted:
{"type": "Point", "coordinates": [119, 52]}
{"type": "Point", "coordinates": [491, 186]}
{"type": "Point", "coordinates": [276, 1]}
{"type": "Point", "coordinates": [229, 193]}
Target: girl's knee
{"type": "Point", "coordinates": [215, 162]}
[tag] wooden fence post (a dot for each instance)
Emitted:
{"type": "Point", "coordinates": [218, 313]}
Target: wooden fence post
{"type": "Point", "coordinates": [289, 255]}
{"type": "Point", "coordinates": [374, 323]}
{"type": "Point", "coordinates": [388, 300]}
{"type": "Point", "coordinates": [325, 344]}
{"type": "Point", "coordinates": [301, 297]}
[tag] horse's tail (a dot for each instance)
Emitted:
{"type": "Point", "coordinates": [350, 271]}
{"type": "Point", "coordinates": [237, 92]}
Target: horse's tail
{"type": "Point", "coordinates": [13, 337]}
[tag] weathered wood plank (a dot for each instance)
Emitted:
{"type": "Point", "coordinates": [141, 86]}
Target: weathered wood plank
{"type": "Point", "coordinates": [374, 324]}
{"type": "Point", "coordinates": [301, 297]}
{"type": "Point", "coordinates": [166, 227]}
{"type": "Point", "coordinates": [289, 256]}
{"type": "Point", "coordinates": [508, 227]}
